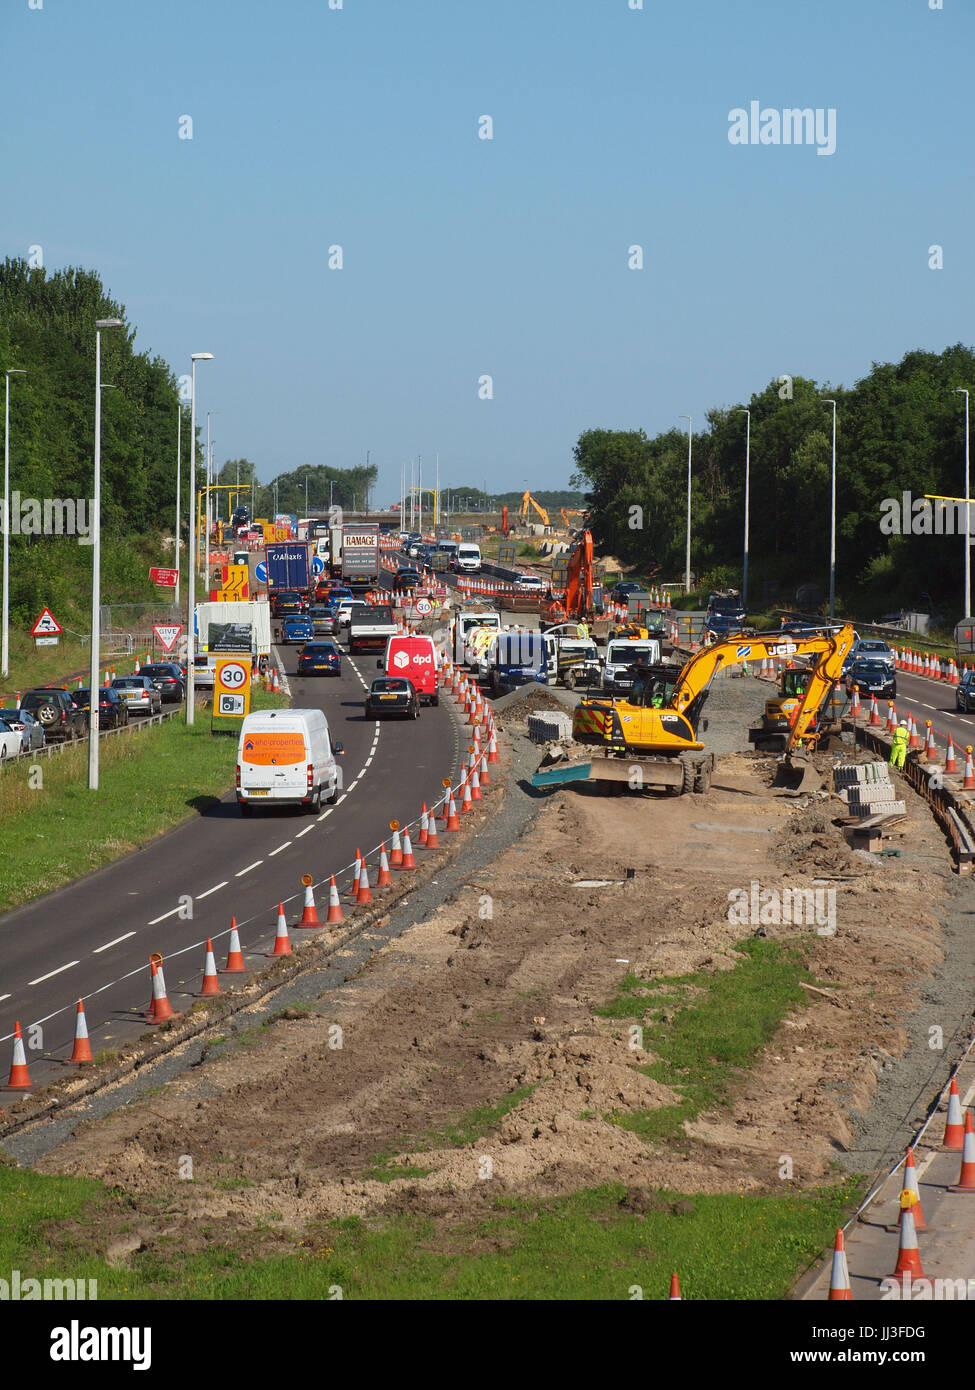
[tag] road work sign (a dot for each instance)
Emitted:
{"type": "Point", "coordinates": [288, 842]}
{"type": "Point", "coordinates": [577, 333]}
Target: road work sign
{"type": "Point", "coordinates": [232, 687]}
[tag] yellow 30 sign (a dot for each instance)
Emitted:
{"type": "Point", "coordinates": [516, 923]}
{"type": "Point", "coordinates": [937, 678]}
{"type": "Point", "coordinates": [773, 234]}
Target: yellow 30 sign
{"type": "Point", "coordinates": [232, 686]}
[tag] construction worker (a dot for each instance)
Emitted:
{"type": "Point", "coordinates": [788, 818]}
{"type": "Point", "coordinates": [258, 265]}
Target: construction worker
{"type": "Point", "coordinates": [898, 751]}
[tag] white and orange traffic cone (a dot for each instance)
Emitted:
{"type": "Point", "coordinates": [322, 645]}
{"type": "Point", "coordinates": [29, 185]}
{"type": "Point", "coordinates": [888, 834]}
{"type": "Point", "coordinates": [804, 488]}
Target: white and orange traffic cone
{"type": "Point", "coordinates": [950, 764]}
{"type": "Point", "coordinates": [493, 748]}
{"type": "Point", "coordinates": [408, 861]}
{"type": "Point", "coordinates": [467, 802]}
{"type": "Point", "coordinates": [914, 740]}
{"type": "Point", "coordinates": [396, 847]}
{"type": "Point", "coordinates": [930, 751]}
{"type": "Point", "coordinates": [162, 1010]}
{"type": "Point", "coordinates": [874, 719]}
{"type": "Point", "coordinates": [211, 985]}
{"type": "Point", "coordinates": [474, 779]}
{"type": "Point", "coordinates": [235, 960]}
{"type": "Point", "coordinates": [19, 1080]}
{"type": "Point", "coordinates": [954, 1136]}
{"type": "Point", "coordinates": [908, 1255]}
{"type": "Point", "coordinates": [431, 841]}
{"type": "Point", "coordinates": [282, 941]}
{"type": "Point", "coordinates": [910, 1185]}
{"type": "Point", "coordinates": [334, 914]}
{"type": "Point", "coordinates": [81, 1052]}
{"type": "Point", "coordinates": [855, 710]}
{"type": "Point", "coordinates": [385, 877]}
{"type": "Point", "coordinates": [354, 890]}
{"type": "Point", "coordinates": [839, 1279]}
{"type": "Point", "coordinates": [891, 717]}
{"type": "Point", "coordinates": [969, 782]}
{"type": "Point", "coordinates": [309, 917]}
{"type": "Point", "coordinates": [421, 839]}
{"type": "Point", "coordinates": [363, 894]}
{"type": "Point", "coordinates": [453, 822]}
{"type": "Point", "coordinates": [482, 771]}
{"type": "Point", "coordinates": [966, 1178]}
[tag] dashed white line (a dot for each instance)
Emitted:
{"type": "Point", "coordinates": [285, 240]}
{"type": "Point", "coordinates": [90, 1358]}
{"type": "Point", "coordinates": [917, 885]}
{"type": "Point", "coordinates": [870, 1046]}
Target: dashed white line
{"type": "Point", "coordinates": [341, 798]}
{"type": "Point", "coordinates": [156, 920]}
{"type": "Point", "coordinates": [98, 949]}
{"type": "Point", "coordinates": [279, 849]}
{"type": "Point", "coordinates": [326, 813]}
{"type": "Point", "coordinates": [50, 975]}
{"type": "Point", "coordinates": [367, 762]}
{"type": "Point", "coordinates": [304, 832]}
{"type": "Point", "coordinates": [214, 889]}
{"type": "Point", "coordinates": [3, 997]}
{"type": "Point", "coordinates": [242, 872]}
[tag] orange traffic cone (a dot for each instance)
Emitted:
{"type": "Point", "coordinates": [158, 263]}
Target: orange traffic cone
{"type": "Point", "coordinates": [874, 719]}
{"type": "Point", "coordinates": [363, 895]}
{"type": "Point", "coordinates": [334, 906]}
{"type": "Point", "coordinates": [81, 1052]}
{"type": "Point", "coordinates": [475, 781]}
{"type": "Point", "coordinates": [309, 918]}
{"type": "Point", "coordinates": [483, 773]}
{"type": "Point", "coordinates": [162, 1010]}
{"type": "Point", "coordinates": [955, 1124]}
{"type": "Point", "coordinates": [930, 751]}
{"type": "Point", "coordinates": [424, 826]}
{"type": "Point", "coordinates": [908, 1256]}
{"type": "Point", "coordinates": [493, 748]}
{"type": "Point", "coordinates": [282, 941]}
{"type": "Point", "coordinates": [855, 703]}
{"type": "Point", "coordinates": [891, 717]}
{"type": "Point", "coordinates": [235, 960]}
{"type": "Point", "coordinates": [432, 842]}
{"type": "Point", "coordinates": [385, 877]}
{"type": "Point", "coordinates": [969, 782]}
{"type": "Point", "coordinates": [354, 890]}
{"type": "Point", "coordinates": [950, 764]}
{"type": "Point", "coordinates": [910, 1185]}
{"type": "Point", "coordinates": [408, 861]}
{"type": "Point", "coordinates": [396, 849]}
{"type": "Point", "coordinates": [211, 985]}
{"type": "Point", "coordinates": [19, 1080]}
{"type": "Point", "coordinates": [674, 1290]}
{"type": "Point", "coordinates": [913, 741]}
{"type": "Point", "coordinates": [839, 1279]}
{"type": "Point", "coordinates": [966, 1178]}
{"type": "Point", "coordinates": [467, 804]}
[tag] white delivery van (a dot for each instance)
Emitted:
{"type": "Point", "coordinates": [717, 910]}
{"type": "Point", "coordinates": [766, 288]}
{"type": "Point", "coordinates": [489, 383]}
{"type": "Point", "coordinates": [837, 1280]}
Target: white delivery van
{"type": "Point", "coordinates": [467, 557]}
{"type": "Point", "coordinates": [286, 757]}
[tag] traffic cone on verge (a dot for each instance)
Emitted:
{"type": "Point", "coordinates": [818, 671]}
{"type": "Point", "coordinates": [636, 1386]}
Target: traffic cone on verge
{"type": "Point", "coordinates": [363, 895]}
{"type": "Point", "coordinates": [431, 841]}
{"type": "Point", "coordinates": [162, 1010]}
{"type": "Point", "coordinates": [839, 1279]}
{"type": "Point", "coordinates": [452, 821]}
{"type": "Point", "coordinates": [950, 764]}
{"type": "Point", "coordinates": [674, 1290]}
{"type": "Point", "coordinates": [424, 826]}
{"type": "Point", "coordinates": [891, 717]}
{"type": "Point", "coordinates": [81, 1052]}
{"type": "Point", "coordinates": [385, 877]}
{"type": "Point", "coordinates": [396, 848]}
{"type": "Point", "coordinates": [19, 1079]}
{"type": "Point", "coordinates": [493, 748]}
{"type": "Point", "coordinates": [966, 1178]}
{"type": "Point", "coordinates": [910, 1185]}
{"type": "Point", "coordinates": [211, 985]}
{"type": "Point", "coordinates": [483, 773]}
{"type": "Point", "coordinates": [969, 782]}
{"type": "Point", "coordinates": [908, 1256]}
{"type": "Point", "coordinates": [235, 960]}
{"type": "Point", "coordinates": [408, 861]}
{"type": "Point", "coordinates": [334, 906]}
{"type": "Point", "coordinates": [954, 1125]}
{"type": "Point", "coordinates": [930, 751]}
{"type": "Point", "coordinates": [282, 941]}
{"type": "Point", "coordinates": [874, 719]}
{"type": "Point", "coordinates": [353, 891]}
{"type": "Point", "coordinates": [913, 741]}
{"type": "Point", "coordinates": [309, 918]}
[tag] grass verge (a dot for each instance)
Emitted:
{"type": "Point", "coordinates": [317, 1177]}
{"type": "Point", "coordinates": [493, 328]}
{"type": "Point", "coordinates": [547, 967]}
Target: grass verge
{"type": "Point", "coordinates": [148, 782]}
{"type": "Point", "coordinates": [704, 1028]}
{"type": "Point", "coordinates": [474, 1124]}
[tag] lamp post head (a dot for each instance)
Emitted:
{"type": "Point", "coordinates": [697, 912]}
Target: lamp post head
{"type": "Point", "coordinates": [16, 371]}
{"type": "Point", "coordinates": [201, 356]}
{"type": "Point", "coordinates": [108, 323]}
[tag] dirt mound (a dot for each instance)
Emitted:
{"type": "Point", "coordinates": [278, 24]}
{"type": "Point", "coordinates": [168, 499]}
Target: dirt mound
{"type": "Point", "coordinates": [515, 707]}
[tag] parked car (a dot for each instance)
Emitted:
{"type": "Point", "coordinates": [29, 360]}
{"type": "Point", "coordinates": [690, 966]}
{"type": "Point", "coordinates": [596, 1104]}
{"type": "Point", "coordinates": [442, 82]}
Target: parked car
{"type": "Point", "coordinates": [319, 659]}
{"type": "Point", "coordinates": [10, 742]}
{"type": "Point", "coordinates": [169, 680]}
{"type": "Point", "coordinates": [139, 693]}
{"type": "Point", "coordinates": [392, 695]}
{"type": "Point", "coordinates": [56, 712]}
{"type": "Point", "coordinates": [30, 729]}
{"type": "Point", "coordinates": [298, 629]}
{"type": "Point", "coordinates": [113, 711]}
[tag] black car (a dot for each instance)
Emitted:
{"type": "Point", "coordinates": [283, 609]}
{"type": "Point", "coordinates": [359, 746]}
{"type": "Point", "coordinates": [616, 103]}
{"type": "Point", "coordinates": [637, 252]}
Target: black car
{"type": "Point", "coordinates": [319, 659]}
{"type": "Point", "coordinates": [113, 712]}
{"type": "Point", "coordinates": [57, 712]}
{"type": "Point", "coordinates": [720, 626]}
{"type": "Point", "coordinates": [408, 579]}
{"type": "Point", "coordinates": [965, 691]}
{"type": "Point", "coordinates": [620, 593]}
{"type": "Point", "coordinates": [287, 602]}
{"type": "Point", "coordinates": [392, 695]}
{"type": "Point", "coordinates": [872, 678]}
{"type": "Point", "coordinates": [167, 677]}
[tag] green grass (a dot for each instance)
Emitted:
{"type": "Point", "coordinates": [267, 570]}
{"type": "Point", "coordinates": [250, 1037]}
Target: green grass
{"type": "Point", "coordinates": [473, 1124]}
{"type": "Point", "coordinates": [719, 1023]}
{"type": "Point", "coordinates": [148, 782]}
{"type": "Point", "coordinates": [592, 1245]}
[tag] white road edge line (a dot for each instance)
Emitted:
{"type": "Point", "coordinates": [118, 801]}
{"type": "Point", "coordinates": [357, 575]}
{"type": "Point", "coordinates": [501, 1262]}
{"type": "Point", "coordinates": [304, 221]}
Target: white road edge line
{"type": "Point", "coordinates": [99, 949]}
{"type": "Point", "coordinates": [41, 978]}
{"type": "Point", "coordinates": [200, 896]}
{"type": "Point", "coordinates": [242, 872]}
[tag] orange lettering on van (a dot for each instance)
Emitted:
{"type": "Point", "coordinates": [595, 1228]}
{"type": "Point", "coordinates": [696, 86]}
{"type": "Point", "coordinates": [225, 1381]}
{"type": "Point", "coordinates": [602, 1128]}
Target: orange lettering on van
{"type": "Point", "coordinates": [273, 750]}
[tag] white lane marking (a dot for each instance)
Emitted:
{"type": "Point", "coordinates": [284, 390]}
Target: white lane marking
{"type": "Point", "coordinates": [341, 798]}
{"type": "Point", "coordinates": [156, 920]}
{"type": "Point", "coordinates": [326, 813]}
{"type": "Point", "coordinates": [304, 832]}
{"type": "Point", "coordinates": [242, 872]}
{"type": "Point", "coordinates": [98, 949]}
{"type": "Point", "coordinates": [41, 978]}
{"type": "Point", "coordinates": [214, 889]}
{"type": "Point", "coordinates": [3, 997]}
{"type": "Point", "coordinates": [279, 849]}
{"type": "Point", "coordinates": [367, 762]}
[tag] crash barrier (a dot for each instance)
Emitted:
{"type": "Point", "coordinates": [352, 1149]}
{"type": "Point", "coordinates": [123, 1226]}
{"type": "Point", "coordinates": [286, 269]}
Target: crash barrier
{"type": "Point", "coordinates": [363, 875]}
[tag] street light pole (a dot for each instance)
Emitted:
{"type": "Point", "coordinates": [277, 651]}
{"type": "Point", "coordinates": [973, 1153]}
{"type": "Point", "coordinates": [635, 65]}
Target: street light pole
{"type": "Point", "coordinates": [832, 523]}
{"type": "Point", "coordinates": [191, 593]}
{"type": "Point", "coordinates": [748, 446]}
{"type": "Point", "coordinates": [687, 555]}
{"type": "Point", "coordinates": [94, 684]}
{"type": "Point", "coordinates": [209, 464]}
{"type": "Point", "coordinates": [14, 371]}
{"type": "Point", "coordinates": [968, 551]}
{"type": "Point", "coordinates": [179, 458]}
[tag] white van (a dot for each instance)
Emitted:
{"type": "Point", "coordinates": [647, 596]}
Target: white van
{"type": "Point", "coordinates": [467, 557]}
{"type": "Point", "coordinates": [623, 652]}
{"type": "Point", "coordinates": [286, 757]}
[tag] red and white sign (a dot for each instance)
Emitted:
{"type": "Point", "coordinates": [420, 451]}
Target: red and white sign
{"type": "Point", "coordinates": [46, 626]}
{"type": "Point", "coordinates": [423, 606]}
{"type": "Point", "coordinates": [168, 579]}
{"type": "Point", "coordinates": [168, 634]}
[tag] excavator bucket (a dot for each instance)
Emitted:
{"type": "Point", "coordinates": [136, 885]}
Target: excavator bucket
{"type": "Point", "coordinates": [795, 772]}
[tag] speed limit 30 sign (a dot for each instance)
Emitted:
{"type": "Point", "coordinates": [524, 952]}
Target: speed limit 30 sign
{"type": "Point", "coordinates": [232, 686]}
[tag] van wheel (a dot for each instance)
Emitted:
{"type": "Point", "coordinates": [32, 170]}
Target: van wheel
{"type": "Point", "coordinates": [435, 700]}
{"type": "Point", "coordinates": [315, 804]}
{"type": "Point", "coordinates": [334, 796]}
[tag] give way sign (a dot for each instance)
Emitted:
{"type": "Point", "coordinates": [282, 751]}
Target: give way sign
{"type": "Point", "coordinates": [168, 634]}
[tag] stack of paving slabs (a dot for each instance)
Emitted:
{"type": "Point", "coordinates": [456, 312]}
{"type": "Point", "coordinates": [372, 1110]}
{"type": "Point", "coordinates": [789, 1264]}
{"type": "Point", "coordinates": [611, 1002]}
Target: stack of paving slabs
{"type": "Point", "coordinates": [550, 726]}
{"type": "Point", "coordinates": [871, 800]}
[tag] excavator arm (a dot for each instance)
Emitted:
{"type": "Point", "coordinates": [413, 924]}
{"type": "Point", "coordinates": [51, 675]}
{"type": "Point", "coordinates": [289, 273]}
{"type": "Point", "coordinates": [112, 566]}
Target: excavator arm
{"type": "Point", "coordinates": [529, 501]}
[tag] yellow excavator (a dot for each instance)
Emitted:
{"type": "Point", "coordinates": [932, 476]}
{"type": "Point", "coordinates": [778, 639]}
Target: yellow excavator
{"type": "Point", "coordinates": [529, 501]}
{"type": "Point", "coordinates": [650, 738]}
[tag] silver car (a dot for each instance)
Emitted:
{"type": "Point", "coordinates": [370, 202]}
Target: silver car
{"type": "Point", "coordinates": [139, 694]}
{"type": "Point", "coordinates": [31, 730]}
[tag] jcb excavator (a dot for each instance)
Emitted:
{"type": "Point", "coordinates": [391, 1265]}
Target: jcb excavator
{"type": "Point", "coordinates": [649, 738]}
{"type": "Point", "coordinates": [527, 501]}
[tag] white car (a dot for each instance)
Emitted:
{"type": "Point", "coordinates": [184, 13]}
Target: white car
{"type": "Point", "coordinates": [11, 742]}
{"type": "Point", "coordinates": [529, 583]}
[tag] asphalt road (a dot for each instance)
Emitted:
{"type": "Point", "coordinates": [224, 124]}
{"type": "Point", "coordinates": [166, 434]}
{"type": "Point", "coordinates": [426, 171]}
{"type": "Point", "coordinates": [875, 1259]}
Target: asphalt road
{"type": "Point", "coordinates": [92, 939]}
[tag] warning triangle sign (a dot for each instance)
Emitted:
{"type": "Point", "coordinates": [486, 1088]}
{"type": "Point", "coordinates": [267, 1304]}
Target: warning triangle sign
{"type": "Point", "coordinates": [46, 625]}
{"type": "Point", "coordinates": [168, 634]}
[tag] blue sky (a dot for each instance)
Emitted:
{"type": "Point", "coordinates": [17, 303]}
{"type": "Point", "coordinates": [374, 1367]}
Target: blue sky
{"type": "Point", "coordinates": [462, 257]}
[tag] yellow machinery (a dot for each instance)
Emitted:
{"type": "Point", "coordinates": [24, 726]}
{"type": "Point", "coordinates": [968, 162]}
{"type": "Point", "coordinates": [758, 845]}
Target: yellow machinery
{"type": "Point", "coordinates": [650, 738]}
{"type": "Point", "coordinates": [566, 513]}
{"type": "Point", "coordinates": [529, 501]}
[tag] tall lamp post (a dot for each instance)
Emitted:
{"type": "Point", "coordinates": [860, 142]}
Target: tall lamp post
{"type": "Point", "coordinates": [14, 371]}
{"type": "Point", "coordinates": [968, 551]}
{"type": "Point", "coordinates": [748, 459]}
{"type": "Point", "coordinates": [191, 593]}
{"type": "Point", "coordinates": [687, 557]}
{"type": "Point", "coordinates": [94, 684]}
{"type": "Point", "coordinates": [209, 463]}
{"type": "Point", "coordinates": [179, 459]}
{"type": "Point", "coordinates": [832, 523]}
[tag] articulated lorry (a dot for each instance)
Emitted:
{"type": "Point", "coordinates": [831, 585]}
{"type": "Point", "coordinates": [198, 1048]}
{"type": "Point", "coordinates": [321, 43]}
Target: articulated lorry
{"type": "Point", "coordinates": [288, 565]}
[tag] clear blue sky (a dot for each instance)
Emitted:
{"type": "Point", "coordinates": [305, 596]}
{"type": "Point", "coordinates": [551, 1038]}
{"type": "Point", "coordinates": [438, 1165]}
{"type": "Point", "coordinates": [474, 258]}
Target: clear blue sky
{"type": "Point", "coordinates": [358, 127]}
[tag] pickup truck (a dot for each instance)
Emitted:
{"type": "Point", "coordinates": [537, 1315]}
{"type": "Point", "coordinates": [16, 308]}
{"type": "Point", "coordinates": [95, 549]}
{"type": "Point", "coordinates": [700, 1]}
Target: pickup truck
{"type": "Point", "coordinates": [370, 628]}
